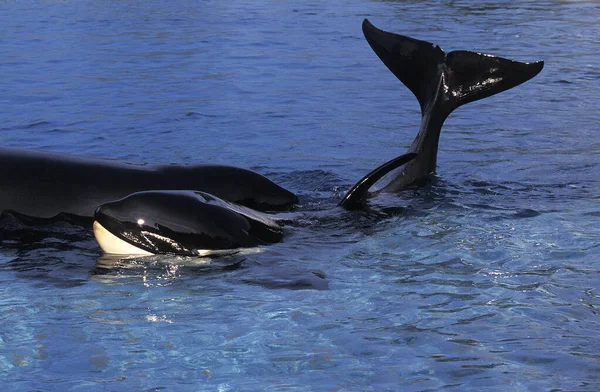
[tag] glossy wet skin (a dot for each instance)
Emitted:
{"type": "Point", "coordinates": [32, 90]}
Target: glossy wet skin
{"type": "Point", "coordinates": [42, 184]}
{"type": "Point", "coordinates": [441, 82]}
{"type": "Point", "coordinates": [188, 222]}
{"type": "Point", "coordinates": [184, 222]}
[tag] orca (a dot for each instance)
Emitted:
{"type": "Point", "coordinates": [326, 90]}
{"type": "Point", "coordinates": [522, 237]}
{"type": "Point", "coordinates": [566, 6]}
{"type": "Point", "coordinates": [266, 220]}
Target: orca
{"type": "Point", "coordinates": [441, 82]}
{"type": "Point", "coordinates": [195, 223]}
{"type": "Point", "coordinates": [189, 223]}
{"type": "Point", "coordinates": [43, 184]}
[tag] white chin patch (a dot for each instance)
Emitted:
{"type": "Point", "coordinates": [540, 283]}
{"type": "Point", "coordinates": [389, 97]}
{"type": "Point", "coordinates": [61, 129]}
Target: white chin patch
{"type": "Point", "coordinates": [112, 244]}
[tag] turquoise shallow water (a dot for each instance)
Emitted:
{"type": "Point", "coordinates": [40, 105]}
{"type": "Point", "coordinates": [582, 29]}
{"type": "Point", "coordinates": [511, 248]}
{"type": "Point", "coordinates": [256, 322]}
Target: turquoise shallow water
{"type": "Point", "coordinates": [486, 279]}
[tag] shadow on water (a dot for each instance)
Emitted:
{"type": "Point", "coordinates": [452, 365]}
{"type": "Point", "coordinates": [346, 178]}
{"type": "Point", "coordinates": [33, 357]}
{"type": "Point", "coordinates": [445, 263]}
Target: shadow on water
{"type": "Point", "coordinates": [55, 252]}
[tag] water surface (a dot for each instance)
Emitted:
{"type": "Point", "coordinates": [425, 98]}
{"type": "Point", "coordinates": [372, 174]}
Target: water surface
{"type": "Point", "coordinates": [487, 278]}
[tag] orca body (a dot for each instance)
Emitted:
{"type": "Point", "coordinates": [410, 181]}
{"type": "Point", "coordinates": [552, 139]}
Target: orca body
{"type": "Point", "coordinates": [441, 82]}
{"type": "Point", "coordinates": [43, 185]}
{"type": "Point", "coordinates": [195, 222]}
{"type": "Point", "coordinates": [188, 223]}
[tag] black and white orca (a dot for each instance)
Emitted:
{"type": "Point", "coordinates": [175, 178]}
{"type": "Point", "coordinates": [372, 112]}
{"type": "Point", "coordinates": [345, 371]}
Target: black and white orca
{"type": "Point", "coordinates": [189, 223]}
{"type": "Point", "coordinates": [197, 223]}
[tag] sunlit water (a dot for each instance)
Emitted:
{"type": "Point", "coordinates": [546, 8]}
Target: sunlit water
{"type": "Point", "coordinates": [487, 278]}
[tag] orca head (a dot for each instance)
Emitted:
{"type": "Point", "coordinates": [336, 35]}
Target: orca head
{"type": "Point", "coordinates": [180, 222]}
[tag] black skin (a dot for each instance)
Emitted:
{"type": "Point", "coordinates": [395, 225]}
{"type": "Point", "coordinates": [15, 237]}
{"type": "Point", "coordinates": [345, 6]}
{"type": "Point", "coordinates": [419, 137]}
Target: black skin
{"type": "Point", "coordinates": [441, 82]}
{"type": "Point", "coordinates": [43, 185]}
{"type": "Point", "coordinates": [182, 222]}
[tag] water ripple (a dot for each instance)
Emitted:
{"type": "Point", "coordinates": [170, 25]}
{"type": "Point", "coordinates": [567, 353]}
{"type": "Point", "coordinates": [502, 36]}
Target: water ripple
{"type": "Point", "coordinates": [485, 279]}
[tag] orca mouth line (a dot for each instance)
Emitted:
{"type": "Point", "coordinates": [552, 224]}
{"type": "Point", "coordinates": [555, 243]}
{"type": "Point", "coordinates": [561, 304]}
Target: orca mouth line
{"type": "Point", "coordinates": [112, 244]}
{"type": "Point", "coordinates": [118, 238]}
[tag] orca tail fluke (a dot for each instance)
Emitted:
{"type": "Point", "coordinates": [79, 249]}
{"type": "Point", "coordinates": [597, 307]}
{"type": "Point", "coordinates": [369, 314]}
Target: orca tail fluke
{"type": "Point", "coordinates": [474, 76]}
{"type": "Point", "coordinates": [460, 76]}
{"type": "Point", "coordinates": [414, 62]}
{"type": "Point", "coordinates": [355, 197]}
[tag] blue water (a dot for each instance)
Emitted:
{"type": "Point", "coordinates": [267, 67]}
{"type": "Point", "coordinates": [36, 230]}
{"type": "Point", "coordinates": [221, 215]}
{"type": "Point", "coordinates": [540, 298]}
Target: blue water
{"type": "Point", "coordinates": [486, 279]}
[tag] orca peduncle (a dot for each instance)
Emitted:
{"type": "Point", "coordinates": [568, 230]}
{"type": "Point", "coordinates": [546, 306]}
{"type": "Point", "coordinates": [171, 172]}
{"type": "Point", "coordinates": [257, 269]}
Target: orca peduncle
{"type": "Point", "coordinates": [441, 83]}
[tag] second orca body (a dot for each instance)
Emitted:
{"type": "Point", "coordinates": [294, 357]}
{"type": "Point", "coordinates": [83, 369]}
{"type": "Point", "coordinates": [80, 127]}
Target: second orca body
{"type": "Point", "coordinates": [43, 185]}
